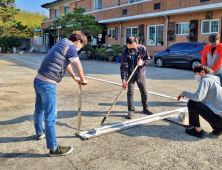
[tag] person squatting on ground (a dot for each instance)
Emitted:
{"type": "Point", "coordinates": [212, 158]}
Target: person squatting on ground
{"type": "Point", "coordinates": [132, 55]}
{"type": "Point", "coordinates": [51, 72]}
{"type": "Point", "coordinates": [206, 102]}
{"type": "Point", "coordinates": [212, 55]}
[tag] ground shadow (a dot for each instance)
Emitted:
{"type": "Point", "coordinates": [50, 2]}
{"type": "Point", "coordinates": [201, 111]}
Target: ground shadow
{"type": "Point", "coordinates": [172, 132]}
{"type": "Point", "coordinates": [22, 155]}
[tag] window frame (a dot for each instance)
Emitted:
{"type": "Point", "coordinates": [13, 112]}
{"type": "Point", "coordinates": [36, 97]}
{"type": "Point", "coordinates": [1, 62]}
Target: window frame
{"type": "Point", "coordinates": [99, 7]}
{"type": "Point", "coordinates": [65, 7]}
{"type": "Point", "coordinates": [181, 28]}
{"type": "Point", "coordinates": [210, 26]}
{"type": "Point", "coordinates": [131, 33]}
{"type": "Point", "coordinates": [113, 29]}
{"type": "Point", "coordinates": [148, 35]}
{"type": "Point", "coordinates": [55, 9]}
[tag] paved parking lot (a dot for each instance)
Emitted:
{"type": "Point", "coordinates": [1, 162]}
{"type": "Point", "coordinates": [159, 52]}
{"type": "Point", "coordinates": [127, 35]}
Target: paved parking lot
{"type": "Point", "coordinates": [157, 145]}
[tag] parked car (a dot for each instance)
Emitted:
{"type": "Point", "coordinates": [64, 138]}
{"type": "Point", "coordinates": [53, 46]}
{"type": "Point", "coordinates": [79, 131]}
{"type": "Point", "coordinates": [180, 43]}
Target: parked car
{"type": "Point", "coordinates": [187, 54]}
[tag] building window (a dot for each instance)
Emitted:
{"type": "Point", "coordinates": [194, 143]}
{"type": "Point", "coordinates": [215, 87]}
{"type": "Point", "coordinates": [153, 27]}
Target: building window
{"type": "Point", "coordinates": [97, 4]}
{"type": "Point", "coordinates": [204, 0]}
{"type": "Point", "coordinates": [208, 27]}
{"type": "Point", "coordinates": [57, 13]}
{"type": "Point", "coordinates": [111, 33]}
{"type": "Point", "coordinates": [156, 6]}
{"type": "Point", "coordinates": [129, 32]}
{"type": "Point", "coordinates": [182, 28]}
{"type": "Point", "coordinates": [66, 9]}
{"type": "Point", "coordinates": [124, 11]}
{"type": "Point", "coordinates": [155, 35]}
{"type": "Point", "coordinates": [133, 1]}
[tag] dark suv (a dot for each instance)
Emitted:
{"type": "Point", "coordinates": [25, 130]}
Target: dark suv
{"type": "Point", "coordinates": [187, 54]}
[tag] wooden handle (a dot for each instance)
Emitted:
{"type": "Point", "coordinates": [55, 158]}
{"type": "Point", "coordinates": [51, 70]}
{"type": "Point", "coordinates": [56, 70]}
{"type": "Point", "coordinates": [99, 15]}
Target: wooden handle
{"type": "Point", "coordinates": [119, 95]}
{"type": "Point", "coordinates": [79, 109]}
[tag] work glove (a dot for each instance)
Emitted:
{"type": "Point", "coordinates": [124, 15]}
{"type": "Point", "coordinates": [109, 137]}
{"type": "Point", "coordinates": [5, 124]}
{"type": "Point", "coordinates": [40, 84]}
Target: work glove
{"type": "Point", "coordinates": [140, 62]}
{"type": "Point", "coordinates": [211, 71]}
{"type": "Point", "coordinates": [84, 82]}
{"type": "Point", "coordinates": [76, 79]}
{"type": "Point", "coordinates": [124, 84]}
{"type": "Point", "coordinates": [181, 95]}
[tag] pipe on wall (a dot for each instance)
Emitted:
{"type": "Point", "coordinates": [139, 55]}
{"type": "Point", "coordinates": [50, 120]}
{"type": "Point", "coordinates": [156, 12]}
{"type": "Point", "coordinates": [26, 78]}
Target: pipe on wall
{"type": "Point", "coordinates": [167, 20]}
{"type": "Point", "coordinates": [120, 32]}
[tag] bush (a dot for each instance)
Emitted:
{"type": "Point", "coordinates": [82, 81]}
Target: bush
{"type": "Point", "coordinates": [10, 41]}
{"type": "Point", "coordinates": [86, 48]}
{"type": "Point", "coordinates": [118, 49]}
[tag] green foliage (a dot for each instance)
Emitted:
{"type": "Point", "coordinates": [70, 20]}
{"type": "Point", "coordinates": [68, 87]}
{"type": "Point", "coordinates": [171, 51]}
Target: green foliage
{"type": "Point", "coordinates": [76, 21]}
{"type": "Point", "coordinates": [103, 52]}
{"type": "Point", "coordinates": [7, 11]}
{"type": "Point", "coordinates": [86, 48]}
{"type": "Point", "coordinates": [19, 23]}
{"type": "Point", "coordinates": [10, 41]}
{"type": "Point", "coordinates": [92, 51]}
{"type": "Point", "coordinates": [32, 21]}
{"type": "Point", "coordinates": [118, 49]}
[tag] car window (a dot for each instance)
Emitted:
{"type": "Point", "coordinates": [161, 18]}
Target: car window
{"type": "Point", "coordinates": [176, 47]}
{"type": "Point", "coordinates": [190, 46]}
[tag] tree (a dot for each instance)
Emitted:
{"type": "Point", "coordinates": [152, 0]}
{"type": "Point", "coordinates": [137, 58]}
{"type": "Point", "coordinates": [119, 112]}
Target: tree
{"type": "Point", "coordinates": [77, 21]}
{"type": "Point", "coordinates": [31, 20]}
{"type": "Point", "coordinates": [7, 10]}
{"type": "Point", "coordinates": [8, 23]}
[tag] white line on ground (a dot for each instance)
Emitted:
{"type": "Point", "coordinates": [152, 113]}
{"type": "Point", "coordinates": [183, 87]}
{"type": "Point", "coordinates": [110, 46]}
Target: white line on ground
{"type": "Point", "coordinates": [158, 94]}
{"type": "Point", "coordinates": [24, 61]}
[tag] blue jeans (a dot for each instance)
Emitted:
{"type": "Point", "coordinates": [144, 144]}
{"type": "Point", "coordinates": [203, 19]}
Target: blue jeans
{"type": "Point", "coordinates": [46, 103]}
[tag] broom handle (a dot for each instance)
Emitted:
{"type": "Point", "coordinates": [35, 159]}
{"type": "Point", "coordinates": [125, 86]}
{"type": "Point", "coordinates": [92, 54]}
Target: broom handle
{"type": "Point", "coordinates": [120, 93]}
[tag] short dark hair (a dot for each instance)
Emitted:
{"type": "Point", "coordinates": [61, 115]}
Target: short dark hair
{"type": "Point", "coordinates": [131, 40]}
{"type": "Point", "coordinates": [78, 35]}
{"type": "Point", "coordinates": [198, 68]}
{"type": "Point", "coordinates": [214, 37]}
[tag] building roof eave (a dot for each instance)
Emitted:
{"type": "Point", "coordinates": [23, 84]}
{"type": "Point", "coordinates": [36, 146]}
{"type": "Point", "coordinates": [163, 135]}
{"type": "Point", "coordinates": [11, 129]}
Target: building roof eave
{"type": "Point", "coordinates": [53, 3]}
{"type": "Point", "coordinates": [193, 9]}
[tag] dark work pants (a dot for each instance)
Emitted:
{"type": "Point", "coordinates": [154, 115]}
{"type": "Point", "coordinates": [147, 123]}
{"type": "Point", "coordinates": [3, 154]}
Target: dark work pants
{"type": "Point", "coordinates": [198, 108]}
{"type": "Point", "coordinates": [130, 93]}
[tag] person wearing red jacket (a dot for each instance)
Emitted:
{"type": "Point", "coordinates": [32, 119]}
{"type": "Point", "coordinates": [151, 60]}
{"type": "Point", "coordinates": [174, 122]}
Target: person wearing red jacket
{"type": "Point", "coordinates": [212, 55]}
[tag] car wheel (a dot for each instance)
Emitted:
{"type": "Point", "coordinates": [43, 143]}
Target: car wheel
{"type": "Point", "coordinates": [159, 62]}
{"type": "Point", "coordinates": [194, 63]}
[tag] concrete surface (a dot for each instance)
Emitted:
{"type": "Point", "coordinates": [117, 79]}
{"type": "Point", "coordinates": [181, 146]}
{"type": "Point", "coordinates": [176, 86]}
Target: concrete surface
{"type": "Point", "coordinates": [158, 145]}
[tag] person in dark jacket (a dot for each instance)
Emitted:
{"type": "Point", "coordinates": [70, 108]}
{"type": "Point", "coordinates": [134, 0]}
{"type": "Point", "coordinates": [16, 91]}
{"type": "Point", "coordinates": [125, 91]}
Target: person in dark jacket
{"type": "Point", "coordinates": [51, 72]}
{"type": "Point", "coordinates": [206, 102]}
{"type": "Point", "coordinates": [132, 55]}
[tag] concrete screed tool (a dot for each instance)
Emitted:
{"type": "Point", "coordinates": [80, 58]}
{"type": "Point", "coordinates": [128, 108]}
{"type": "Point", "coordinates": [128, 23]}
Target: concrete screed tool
{"type": "Point", "coordinates": [95, 130]}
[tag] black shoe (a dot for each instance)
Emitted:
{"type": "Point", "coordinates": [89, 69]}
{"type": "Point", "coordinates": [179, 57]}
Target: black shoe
{"type": "Point", "coordinates": [217, 131]}
{"type": "Point", "coordinates": [147, 111]}
{"type": "Point", "coordinates": [130, 114]}
{"type": "Point", "coordinates": [193, 132]}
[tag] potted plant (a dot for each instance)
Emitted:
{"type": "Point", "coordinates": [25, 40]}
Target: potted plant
{"type": "Point", "coordinates": [14, 41]}
{"type": "Point", "coordinates": [117, 50]}
{"type": "Point", "coordinates": [91, 53]}
{"type": "Point", "coordinates": [110, 55]}
{"type": "Point", "coordinates": [106, 54]}
{"type": "Point", "coordinates": [97, 54]}
{"type": "Point", "coordinates": [102, 52]}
